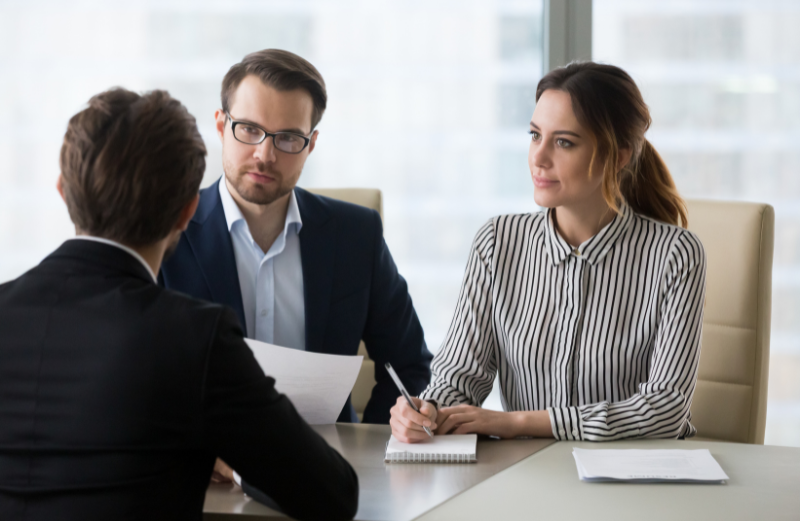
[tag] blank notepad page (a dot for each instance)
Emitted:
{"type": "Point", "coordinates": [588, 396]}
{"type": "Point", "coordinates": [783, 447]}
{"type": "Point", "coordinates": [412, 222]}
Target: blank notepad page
{"type": "Point", "coordinates": [450, 448]}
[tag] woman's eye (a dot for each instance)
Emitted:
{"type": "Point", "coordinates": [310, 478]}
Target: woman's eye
{"type": "Point", "coordinates": [534, 135]}
{"type": "Point", "coordinates": [563, 143]}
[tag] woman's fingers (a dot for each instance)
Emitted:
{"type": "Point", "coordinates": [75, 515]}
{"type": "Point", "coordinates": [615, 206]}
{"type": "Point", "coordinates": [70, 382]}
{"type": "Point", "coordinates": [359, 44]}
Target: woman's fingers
{"type": "Point", "coordinates": [407, 424]}
{"type": "Point", "coordinates": [443, 414]}
{"type": "Point", "coordinates": [400, 431]}
{"type": "Point", "coordinates": [429, 411]}
{"type": "Point", "coordinates": [405, 434]}
{"type": "Point", "coordinates": [448, 426]}
{"type": "Point", "coordinates": [410, 416]}
{"type": "Point", "coordinates": [456, 418]}
{"type": "Point", "coordinates": [469, 427]}
{"type": "Point", "coordinates": [426, 416]}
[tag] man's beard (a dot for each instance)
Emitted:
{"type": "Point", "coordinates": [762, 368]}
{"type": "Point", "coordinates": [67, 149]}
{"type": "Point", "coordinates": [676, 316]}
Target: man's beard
{"type": "Point", "coordinates": [257, 194]}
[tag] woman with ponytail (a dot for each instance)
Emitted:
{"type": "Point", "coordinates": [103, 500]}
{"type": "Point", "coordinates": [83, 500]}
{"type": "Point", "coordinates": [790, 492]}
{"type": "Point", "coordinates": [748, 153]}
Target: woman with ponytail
{"type": "Point", "coordinates": [588, 313]}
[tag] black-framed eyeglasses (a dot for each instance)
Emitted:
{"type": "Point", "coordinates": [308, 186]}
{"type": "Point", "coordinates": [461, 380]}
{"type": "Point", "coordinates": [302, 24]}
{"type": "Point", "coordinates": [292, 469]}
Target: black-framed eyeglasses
{"type": "Point", "coordinates": [251, 134]}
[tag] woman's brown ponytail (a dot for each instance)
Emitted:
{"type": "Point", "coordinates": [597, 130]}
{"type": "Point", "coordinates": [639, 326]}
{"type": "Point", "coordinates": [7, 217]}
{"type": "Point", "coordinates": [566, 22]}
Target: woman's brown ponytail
{"type": "Point", "coordinates": [650, 190]}
{"type": "Point", "coordinates": [606, 100]}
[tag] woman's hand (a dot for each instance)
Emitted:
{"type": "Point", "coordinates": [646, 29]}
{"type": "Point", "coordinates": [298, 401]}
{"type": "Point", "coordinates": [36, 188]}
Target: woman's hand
{"type": "Point", "coordinates": [468, 419]}
{"type": "Point", "coordinates": [407, 423]}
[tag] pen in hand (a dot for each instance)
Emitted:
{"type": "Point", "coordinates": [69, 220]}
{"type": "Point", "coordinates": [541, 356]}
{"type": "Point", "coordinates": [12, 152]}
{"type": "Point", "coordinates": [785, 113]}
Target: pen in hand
{"type": "Point", "coordinates": [405, 394]}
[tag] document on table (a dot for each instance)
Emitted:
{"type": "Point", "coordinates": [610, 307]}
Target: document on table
{"type": "Point", "coordinates": [648, 466]}
{"type": "Point", "coordinates": [317, 384]}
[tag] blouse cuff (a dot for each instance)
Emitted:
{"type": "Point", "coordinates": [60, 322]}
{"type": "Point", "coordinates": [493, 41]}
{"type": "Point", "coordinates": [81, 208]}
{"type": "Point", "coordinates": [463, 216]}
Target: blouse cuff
{"type": "Point", "coordinates": [438, 398]}
{"type": "Point", "coordinates": [566, 423]}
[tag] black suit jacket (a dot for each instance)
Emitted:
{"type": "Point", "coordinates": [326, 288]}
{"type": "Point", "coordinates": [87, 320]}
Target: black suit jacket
{"type": "Point", "coordinates": [116, 395]}
{"type": "Point", "coordinates": [352, 289]}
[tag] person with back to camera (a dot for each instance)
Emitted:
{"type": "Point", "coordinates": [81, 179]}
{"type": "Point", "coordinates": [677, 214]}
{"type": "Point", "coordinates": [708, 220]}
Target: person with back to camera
{"type": "Point", "coordinates": [590, 312]}
{"type": "Point", "coordinates": [117, 394]}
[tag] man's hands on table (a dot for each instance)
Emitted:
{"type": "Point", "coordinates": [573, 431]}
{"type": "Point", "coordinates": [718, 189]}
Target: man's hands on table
{"type": "Point", "coordinates": [222, 472]}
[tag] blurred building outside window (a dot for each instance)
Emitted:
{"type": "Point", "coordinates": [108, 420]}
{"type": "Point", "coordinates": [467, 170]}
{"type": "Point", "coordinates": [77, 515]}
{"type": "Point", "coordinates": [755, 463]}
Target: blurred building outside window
{"type": "Point", "coordinates": [428, 101]}
{"type": "Point", "coordinates": [722, 79]}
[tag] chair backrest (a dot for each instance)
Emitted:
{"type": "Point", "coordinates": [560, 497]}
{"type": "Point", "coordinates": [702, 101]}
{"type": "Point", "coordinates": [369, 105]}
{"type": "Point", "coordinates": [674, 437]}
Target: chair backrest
{"type": "Point", "coordinates": [367, 197]}
{"type": "Point", "coordinates": [370, 198]}
{"type": "Point", "coordinates": [730, 402]}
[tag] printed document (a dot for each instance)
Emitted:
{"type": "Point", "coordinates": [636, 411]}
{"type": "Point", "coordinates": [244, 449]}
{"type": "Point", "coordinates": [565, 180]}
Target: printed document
{"type": "Point", "coordinates": [647, 466]}
{"type": "Point", "coordinates": [317, 384]}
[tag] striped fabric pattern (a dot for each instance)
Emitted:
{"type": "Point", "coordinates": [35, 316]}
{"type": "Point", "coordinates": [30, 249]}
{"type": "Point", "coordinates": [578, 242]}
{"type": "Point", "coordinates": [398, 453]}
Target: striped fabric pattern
{"type": "Point", "coordinates": [605, 337]}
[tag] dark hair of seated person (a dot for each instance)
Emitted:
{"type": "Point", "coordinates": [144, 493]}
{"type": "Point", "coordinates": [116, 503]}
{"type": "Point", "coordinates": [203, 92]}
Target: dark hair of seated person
{"type": "Point", "coordinates": [129, 165]}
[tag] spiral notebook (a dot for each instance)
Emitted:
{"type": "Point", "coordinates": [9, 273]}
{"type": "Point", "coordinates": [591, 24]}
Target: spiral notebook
{"type": "Point", "coordinates": [451, 448]}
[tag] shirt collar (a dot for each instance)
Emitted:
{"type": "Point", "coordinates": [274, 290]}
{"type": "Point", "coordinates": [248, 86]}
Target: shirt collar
{"type": "Point", "coordinates": [595, 248]}
{"type": "Point", "coordinates": [293, 214]}
{"type": "Point", "coordinates": [229, 206]}
{"type": "Point", "coordinates": [134, 253]}
{"type": "Point", "coordinates": [233, 213]}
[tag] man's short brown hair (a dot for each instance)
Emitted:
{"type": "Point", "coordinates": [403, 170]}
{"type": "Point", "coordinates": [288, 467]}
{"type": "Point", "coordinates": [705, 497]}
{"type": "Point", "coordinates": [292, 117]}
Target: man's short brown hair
{"type": "Point", "coordinates": [129, 164]}
{"type": "Point", "coordinates": [281, 70]}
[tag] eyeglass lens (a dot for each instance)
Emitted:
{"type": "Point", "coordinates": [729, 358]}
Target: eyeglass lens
{"type": "Point", "coordinates": [283, 141]}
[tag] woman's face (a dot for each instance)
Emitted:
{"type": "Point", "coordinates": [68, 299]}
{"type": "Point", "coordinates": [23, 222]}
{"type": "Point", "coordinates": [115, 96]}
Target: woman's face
{"type": "Point", "coordinates": [560, 154]}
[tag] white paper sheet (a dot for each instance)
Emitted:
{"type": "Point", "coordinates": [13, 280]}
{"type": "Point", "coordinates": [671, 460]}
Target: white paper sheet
{"type": "Point", "coordinates": [687, 466]}
{"type": "Point", "coordinates": [317, 384]}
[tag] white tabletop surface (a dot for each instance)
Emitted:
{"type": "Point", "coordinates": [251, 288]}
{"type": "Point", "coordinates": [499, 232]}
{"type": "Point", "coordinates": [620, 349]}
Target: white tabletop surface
{"type": "Point", "coordinates": [764, 485]}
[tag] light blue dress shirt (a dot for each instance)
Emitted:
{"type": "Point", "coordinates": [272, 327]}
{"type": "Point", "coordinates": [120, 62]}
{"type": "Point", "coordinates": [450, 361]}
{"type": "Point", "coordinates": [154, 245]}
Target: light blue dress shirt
{"type": "Point", "coordinates": [271, 282]}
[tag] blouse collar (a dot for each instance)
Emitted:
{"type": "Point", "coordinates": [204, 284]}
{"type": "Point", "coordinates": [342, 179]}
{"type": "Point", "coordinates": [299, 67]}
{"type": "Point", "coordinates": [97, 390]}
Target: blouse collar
{"type": "Point", "coordinates": [595, 248]}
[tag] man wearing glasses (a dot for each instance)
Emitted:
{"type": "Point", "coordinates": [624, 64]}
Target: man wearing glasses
{"type": "Point", "coordinates": [300, 270]}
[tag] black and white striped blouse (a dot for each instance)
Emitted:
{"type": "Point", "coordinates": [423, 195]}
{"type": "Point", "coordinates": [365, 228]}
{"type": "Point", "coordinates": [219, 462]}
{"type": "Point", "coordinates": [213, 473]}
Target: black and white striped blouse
{"type": "Point", "coordinates": [605, 336]}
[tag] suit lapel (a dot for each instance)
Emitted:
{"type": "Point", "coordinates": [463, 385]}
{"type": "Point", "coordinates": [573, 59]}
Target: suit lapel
{"type": "Point", "coordinates": [317, 251]}
{"type": "Point", "coordinates": [210, 240]}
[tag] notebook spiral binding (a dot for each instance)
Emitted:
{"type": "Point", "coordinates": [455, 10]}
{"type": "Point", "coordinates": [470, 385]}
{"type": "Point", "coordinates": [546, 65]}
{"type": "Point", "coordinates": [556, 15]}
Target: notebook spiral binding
{"type": "Point", "coordinates": [409, 457]}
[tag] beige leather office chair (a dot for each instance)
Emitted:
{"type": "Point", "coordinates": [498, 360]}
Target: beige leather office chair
{"type": "Point", "coordinates": [371, 198]}
{"type": "Point", "coordinates": [730, 402]}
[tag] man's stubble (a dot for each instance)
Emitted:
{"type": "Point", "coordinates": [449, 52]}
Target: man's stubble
{"type": "Point", "coordinates": [256, 194]}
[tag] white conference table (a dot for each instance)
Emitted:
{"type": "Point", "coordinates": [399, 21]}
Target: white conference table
{"type": "Point", "coordinates": [764, 484]}
{"type": "Point", "coordinates": [537, 479]}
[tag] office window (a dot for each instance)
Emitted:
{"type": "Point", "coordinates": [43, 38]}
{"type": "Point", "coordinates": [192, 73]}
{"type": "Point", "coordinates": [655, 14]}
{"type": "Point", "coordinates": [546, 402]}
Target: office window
{"type": "Point", "coordinates": [439, 92]}
{"type": "Point", "coordinates": [721, 79]}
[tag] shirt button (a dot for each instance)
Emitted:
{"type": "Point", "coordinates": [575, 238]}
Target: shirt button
{"type": "Point", "coordinates": [263, 312]}
{"type": "Point", "coordinates": [574, 432]}
{"type": "Point", "coordinates": [562, 432]}
{"type": "Point", "coordinates": [576, 252]}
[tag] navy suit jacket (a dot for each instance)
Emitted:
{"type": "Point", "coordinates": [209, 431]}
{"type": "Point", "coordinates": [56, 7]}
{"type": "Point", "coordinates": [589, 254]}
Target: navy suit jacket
{"type": "Point", "coordinates": [351, 285]}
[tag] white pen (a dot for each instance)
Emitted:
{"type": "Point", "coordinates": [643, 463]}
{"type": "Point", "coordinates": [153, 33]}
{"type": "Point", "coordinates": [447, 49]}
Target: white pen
{"type": "Point", "coordinates": [402, 388]}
